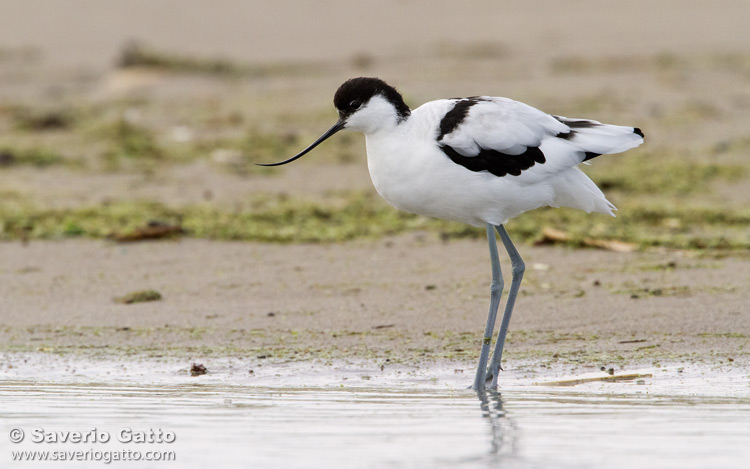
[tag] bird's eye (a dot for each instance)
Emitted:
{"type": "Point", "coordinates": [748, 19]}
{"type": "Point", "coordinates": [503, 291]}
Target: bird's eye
{"type": "Point", "coordinates": [355, 104]}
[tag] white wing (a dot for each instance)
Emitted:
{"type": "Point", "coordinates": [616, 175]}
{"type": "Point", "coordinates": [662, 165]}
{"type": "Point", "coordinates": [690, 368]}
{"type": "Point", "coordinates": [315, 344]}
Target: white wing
{"type": "Point", "coordinates": [506, 137]}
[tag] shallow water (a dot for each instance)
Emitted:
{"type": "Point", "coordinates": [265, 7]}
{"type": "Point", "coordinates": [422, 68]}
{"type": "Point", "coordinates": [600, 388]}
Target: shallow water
{"type": "Point", "coordinates": [306, 415]}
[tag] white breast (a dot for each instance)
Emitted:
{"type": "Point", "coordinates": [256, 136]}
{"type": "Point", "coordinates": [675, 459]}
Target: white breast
{"type": "Point", "coordinates": [409, 170]}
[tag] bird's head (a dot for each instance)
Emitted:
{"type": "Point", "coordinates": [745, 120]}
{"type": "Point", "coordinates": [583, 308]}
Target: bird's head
{"type": "Point", "coordinates": [364, 105]}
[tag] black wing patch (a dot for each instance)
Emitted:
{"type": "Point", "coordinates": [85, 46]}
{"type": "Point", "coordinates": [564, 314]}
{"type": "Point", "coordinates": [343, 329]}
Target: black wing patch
{"type": "Point", "coordinates": [574, 124]}
{"type": "Point", "coordinates": [493, 161]}
{"type": "Point", "coordinates": [453, 118]}
{"type": "Point", "coordinates": [496, 162]}
{"type": "Point", "coordinates": [577, 123]}
{"type": "Point", "coordinates": [567, 135]}
{"type": "Point", "coordinates": [590, 154]}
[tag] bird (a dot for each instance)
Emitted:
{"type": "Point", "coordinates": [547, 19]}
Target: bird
{"type": "Point", "coordinates": [480, 160]}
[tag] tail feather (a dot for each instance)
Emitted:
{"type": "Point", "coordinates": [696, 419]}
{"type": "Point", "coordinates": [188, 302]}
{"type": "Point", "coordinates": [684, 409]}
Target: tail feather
{"type": "Point", "coordinates": [587, 139]}
{"type": "Point", "coordinates": [574, 189]}
{"type": "Point", "coordinates": [595, 138]}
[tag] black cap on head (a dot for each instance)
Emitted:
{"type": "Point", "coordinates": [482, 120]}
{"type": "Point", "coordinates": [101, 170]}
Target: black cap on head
{"type": "Point", "coordinates": [349, 97]}
{"type": "Point", "coordinates": [355, 92]}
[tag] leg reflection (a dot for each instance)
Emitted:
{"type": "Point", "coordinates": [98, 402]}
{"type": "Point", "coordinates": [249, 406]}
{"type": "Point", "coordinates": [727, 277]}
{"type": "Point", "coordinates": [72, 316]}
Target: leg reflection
{"type": "Point", "coordinates": [502, 430]}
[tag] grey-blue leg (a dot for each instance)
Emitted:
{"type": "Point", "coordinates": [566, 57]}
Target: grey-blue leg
{"type": "Point", "coordinates": [518, 268]}
{"type": "Point", "coordinates": [496, 290]}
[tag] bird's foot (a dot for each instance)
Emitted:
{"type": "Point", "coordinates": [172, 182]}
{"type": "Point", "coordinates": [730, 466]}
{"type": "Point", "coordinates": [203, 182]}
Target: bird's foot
{"type": "Point", "coordinates": [490, 380]}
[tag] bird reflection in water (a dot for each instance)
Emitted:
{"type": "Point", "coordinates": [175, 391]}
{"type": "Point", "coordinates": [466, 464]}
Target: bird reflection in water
{"type": "Point", "coordinates": [502, 431]}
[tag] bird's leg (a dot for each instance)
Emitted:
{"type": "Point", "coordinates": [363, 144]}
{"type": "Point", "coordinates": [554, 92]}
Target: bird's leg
{"type": "Point", "coordinates": [518, 267]}
{"type": "Point", "coordinates": [496, 290]}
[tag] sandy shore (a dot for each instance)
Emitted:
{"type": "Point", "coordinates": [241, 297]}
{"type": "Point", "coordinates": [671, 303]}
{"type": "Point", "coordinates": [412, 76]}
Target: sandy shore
{"type": "Point", "coordinates": [402, 298]}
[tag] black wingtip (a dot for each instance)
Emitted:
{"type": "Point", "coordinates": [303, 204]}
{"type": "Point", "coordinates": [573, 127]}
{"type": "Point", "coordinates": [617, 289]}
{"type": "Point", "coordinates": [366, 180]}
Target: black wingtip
{"type": "Point", "coordinates": [638, 132]}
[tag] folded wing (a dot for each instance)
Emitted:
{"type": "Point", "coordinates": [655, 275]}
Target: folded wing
{"type": "Point", "coordinates": [510, 139]}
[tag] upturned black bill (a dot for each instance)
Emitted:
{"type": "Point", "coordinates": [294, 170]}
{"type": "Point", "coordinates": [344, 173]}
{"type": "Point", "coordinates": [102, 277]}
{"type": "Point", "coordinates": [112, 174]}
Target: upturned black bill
{"type": "Point", "coordinates": [336, 127]}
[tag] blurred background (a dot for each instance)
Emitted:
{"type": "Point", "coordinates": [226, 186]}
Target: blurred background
{"type": "Point", "coordinates": [117, 114]}
{"type": "Point", "coordinates": [143, 119]}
